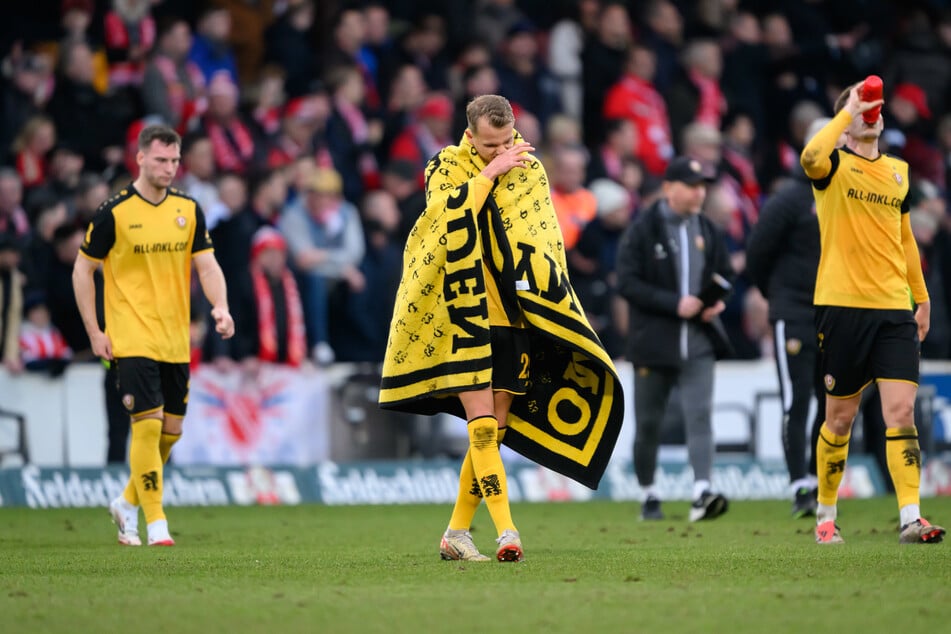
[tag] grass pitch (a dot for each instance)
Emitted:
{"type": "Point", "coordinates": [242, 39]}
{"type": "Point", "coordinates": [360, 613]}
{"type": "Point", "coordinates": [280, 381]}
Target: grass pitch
{"type": "Point", "coordinates": [589, 568]}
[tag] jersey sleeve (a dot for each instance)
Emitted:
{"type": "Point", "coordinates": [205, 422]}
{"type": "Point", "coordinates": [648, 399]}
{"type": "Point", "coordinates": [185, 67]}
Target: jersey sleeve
{"type": "Point", "coordinates": [100, 235]}
{"type": "Point", "coordinates": [202, 240]}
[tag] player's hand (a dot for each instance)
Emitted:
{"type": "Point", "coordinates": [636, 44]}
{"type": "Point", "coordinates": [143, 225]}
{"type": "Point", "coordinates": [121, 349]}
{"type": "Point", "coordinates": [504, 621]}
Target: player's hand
{"type": "Point", "coordinates": [923, 319]}
{"type": "Point", "coordinates": [856, 106]}
{"type": "Point", "coordinates": [101, 345]}
{"type": "Point", "coordinates": [515, 156]}
{"type": "Point", "coordinates": [224, 324]}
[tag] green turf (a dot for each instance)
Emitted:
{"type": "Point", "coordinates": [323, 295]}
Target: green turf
{"type": "Point", "coordinates": [589, 568]}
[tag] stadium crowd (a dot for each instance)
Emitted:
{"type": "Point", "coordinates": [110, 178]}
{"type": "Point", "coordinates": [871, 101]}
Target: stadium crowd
{"type": "Point", "coordinates": [307, 125]}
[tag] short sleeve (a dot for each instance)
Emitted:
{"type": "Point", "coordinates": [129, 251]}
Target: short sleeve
{"type": "Point", "coordinates": [100, 235]}
{"type": "Point", "coordinates": [202, 240]}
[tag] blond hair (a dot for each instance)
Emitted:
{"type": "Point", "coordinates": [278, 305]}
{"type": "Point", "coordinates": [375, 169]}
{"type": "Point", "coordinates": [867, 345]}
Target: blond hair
{"type": "Point", "coordinates": [495, 108]}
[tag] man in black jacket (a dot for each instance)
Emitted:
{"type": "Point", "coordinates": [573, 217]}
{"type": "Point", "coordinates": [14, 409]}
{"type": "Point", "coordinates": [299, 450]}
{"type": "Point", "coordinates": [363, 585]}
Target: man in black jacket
{"type": "Point", "coordinates": [666, 261]}
{"type": "Point", "coordinates": [782, 255]}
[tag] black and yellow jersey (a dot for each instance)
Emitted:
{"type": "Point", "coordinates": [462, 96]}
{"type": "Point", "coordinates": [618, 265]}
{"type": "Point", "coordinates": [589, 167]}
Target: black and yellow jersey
{"type": "Point", "coordinates": [146, 251]}
{"type": "Point", "coordinates": [860, 204]}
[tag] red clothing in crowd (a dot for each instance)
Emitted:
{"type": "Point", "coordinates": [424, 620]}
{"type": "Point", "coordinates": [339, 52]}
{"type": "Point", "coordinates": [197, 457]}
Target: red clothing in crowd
{"type": "Point", "coordinates": [637, 100]}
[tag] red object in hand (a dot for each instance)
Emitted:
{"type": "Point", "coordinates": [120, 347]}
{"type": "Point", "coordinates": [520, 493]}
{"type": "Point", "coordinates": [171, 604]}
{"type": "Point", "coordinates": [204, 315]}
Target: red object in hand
{"type": "Point", "coordinates": [871, 91]}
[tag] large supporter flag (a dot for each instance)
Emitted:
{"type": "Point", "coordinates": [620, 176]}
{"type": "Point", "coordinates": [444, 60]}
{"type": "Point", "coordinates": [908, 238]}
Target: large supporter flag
{"type": "Point", "coordinates": [275, 417]}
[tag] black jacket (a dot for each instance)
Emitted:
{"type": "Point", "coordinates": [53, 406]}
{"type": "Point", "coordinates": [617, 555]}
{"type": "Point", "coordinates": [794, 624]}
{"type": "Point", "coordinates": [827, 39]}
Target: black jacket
{"type": "Point", "coordinates": [782, 253]}
{"type": "Point", "coordinates": [651, 288]}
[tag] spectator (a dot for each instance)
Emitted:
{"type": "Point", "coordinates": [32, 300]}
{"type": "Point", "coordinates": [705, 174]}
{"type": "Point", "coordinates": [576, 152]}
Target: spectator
{"type": "Point", "coordinates": [287, 46]}
{"type": "Point", "coordinates": [565, 43]}
{"type": "Point", "coordinates": [42, 347]}
{"type": "Point", "coordinates": [476, 80]}
{"type": "Point", "coordinates": [303, 133]}
{"type": "Point", "coordinates": [350, 135]}
{"type": "Point", "coordinates": [326, 243]}
{"type": "Point", "coordinates": [249, 21]}
{"type": "Point", "coordinates": [269, 101]}
{"type": "Point", "coordinates": [47, 212]}
{"type": "Point", "coordinates": [14, 221]}
{"type": "Point", "coordinates": [407, 92]}
{"type": "Point", "coordinates": [89, 122]}
{"type": "Point", "coordinates": [574, 204]}
{"type": "Point", "coordinates": [130, 35]}
{"type": "Point", "coordinates": [11, 302]}
{"type": "Point", "coordinates": [58, 290]}
{"type": "Point", "coordinates": [92, 191]}
{"type": "Point", "coordinates": [695, 95]}
{"type": "Point", "coordinates": [173, 85]}
{"type": "Point", "coordinates": [211, 48]}
{"type": "Point", "coordinates": [232, 138]}
{"type": "Point", "coordinates": [603, 59]}
{"type": "Point", "coordinates": [620, 143]}
{"type": "Point", "coordinates": [663, 34]}
{"type": "Point", "coordinates": [493, 19]}
{"type": "Point", "coordinates": [909, 133]}
{"type": "Point", "coordinates": [36, 138]}
{"type": "Point", "coordinates": [198, 175]}
{"type": "Point", "coordinates": [377, 54]}
{"type": "Point", "coordinates": [592, 263]}
{"type": "Point", "coordinates": [400, 180]}
{"type": "Point", "coordinates": [361, 316]}
{"type": "Point", "coordinates": [65, 167]}
{"type": "Point", "coordinates": [348, 38]}
{"type": "Point", "coordinates": [23, 95]}
{"type": "Point", "coordinates": [634, 98]}
{"type": "Point", "coordinates": [523, 75]}
{"type": "Point", "coordinates": [76, 17]}
{"type": "Point", "coordinates": [426, 136]}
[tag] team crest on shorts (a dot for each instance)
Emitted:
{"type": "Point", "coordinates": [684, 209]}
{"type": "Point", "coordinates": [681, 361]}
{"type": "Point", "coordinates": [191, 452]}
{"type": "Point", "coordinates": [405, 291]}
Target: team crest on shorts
{"type": "Point", "coordinates": [830, 382]}
{"type": "Point", "coordinates": [180, 221]}
{"type": "Point", "coordinates": [129, 401]}
{"type": "Point", "coordinates": [793, 346]}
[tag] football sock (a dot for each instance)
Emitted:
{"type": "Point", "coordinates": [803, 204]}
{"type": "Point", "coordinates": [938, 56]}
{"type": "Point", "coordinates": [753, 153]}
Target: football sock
{"type": "Point", "coordinates": [699, 487]}
{"type": "Point", "coordinates": [145, 465]}
{"type": "Point", "coordinates": [831, 453]}
{"type": "Point", "coordinates": [165, 450]}
{"type": "Point", "coordinates": [904, 464]}
{"type": "Point", "coordinates": [489, 470]}
{"type": "Point", "coordinates": [467, 502]}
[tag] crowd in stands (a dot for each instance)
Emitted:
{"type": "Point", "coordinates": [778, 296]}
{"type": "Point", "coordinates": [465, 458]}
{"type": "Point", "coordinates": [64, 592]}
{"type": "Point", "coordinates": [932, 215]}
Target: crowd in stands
{"type": "Point", "coordinates": [307, 125]}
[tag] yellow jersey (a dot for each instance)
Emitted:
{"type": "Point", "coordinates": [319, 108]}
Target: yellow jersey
{"type": "Point", "coordinates": [860, 203]}
{"type": "Point", "coordinates": [146, 251]}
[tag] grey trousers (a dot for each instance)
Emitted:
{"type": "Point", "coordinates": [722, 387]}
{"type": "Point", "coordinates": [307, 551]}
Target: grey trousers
{"type": "Point", "coordinates": [652, 389]}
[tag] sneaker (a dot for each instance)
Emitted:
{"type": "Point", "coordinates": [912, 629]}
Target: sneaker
{"type": "Point", "coordinates": [804, 503]}
{"type": "Point", "coordinates": [126, 521]}
{"type": "Point", "coordinates": [159, 535]}
{"type": "Point", "coordinates": [458, 546]}
{"type": "Point", "coordinates": [510, 547]}
{"type": "Point", "coordinates": [708, 506]}
{"type": "Point", "coordinates": [921, 531]}
{"type": "Point", "coordinates": [828, 533]}
{"type": "Point", "coordinates": [650, 509]}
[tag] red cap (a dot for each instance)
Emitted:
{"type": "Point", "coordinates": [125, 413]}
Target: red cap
{"type": "Point", "coordinates": [267, 238]}
{"type": "Point", "coordinates": [436, 107]}
{"type": "Point", "coordinates": [914, 95]}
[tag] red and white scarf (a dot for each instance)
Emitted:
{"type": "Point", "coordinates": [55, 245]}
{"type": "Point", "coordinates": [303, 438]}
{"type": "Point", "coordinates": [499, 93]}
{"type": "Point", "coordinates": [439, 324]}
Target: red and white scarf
{"type": "Point", "coordinates": [231, 154]}
{"type": "Point", "coordinates": [267, 326]}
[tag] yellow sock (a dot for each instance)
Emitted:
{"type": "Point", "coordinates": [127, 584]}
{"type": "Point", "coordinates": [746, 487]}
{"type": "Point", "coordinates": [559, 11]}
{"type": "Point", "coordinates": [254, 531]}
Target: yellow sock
{"type": "Point", "coordinates": [165, 450]}
{"type": "Point", "coordinates": [145, 464]}
{"type": "Point", "coordinates": [470, 496]}
{"type": "Point", "coordinates": [831, 453]}
{"type": "Point", "coordinates": [489, 470]}
{"type": "Point", "coordinates": [904, 463]}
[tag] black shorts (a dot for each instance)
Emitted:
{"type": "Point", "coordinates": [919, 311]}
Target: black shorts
{"type": "Point", "coordinates": [859, 345]}
{"type": "Point", "coordinates": [147, 385]}
{"type": "Point", "coordinates": [511, 359]}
